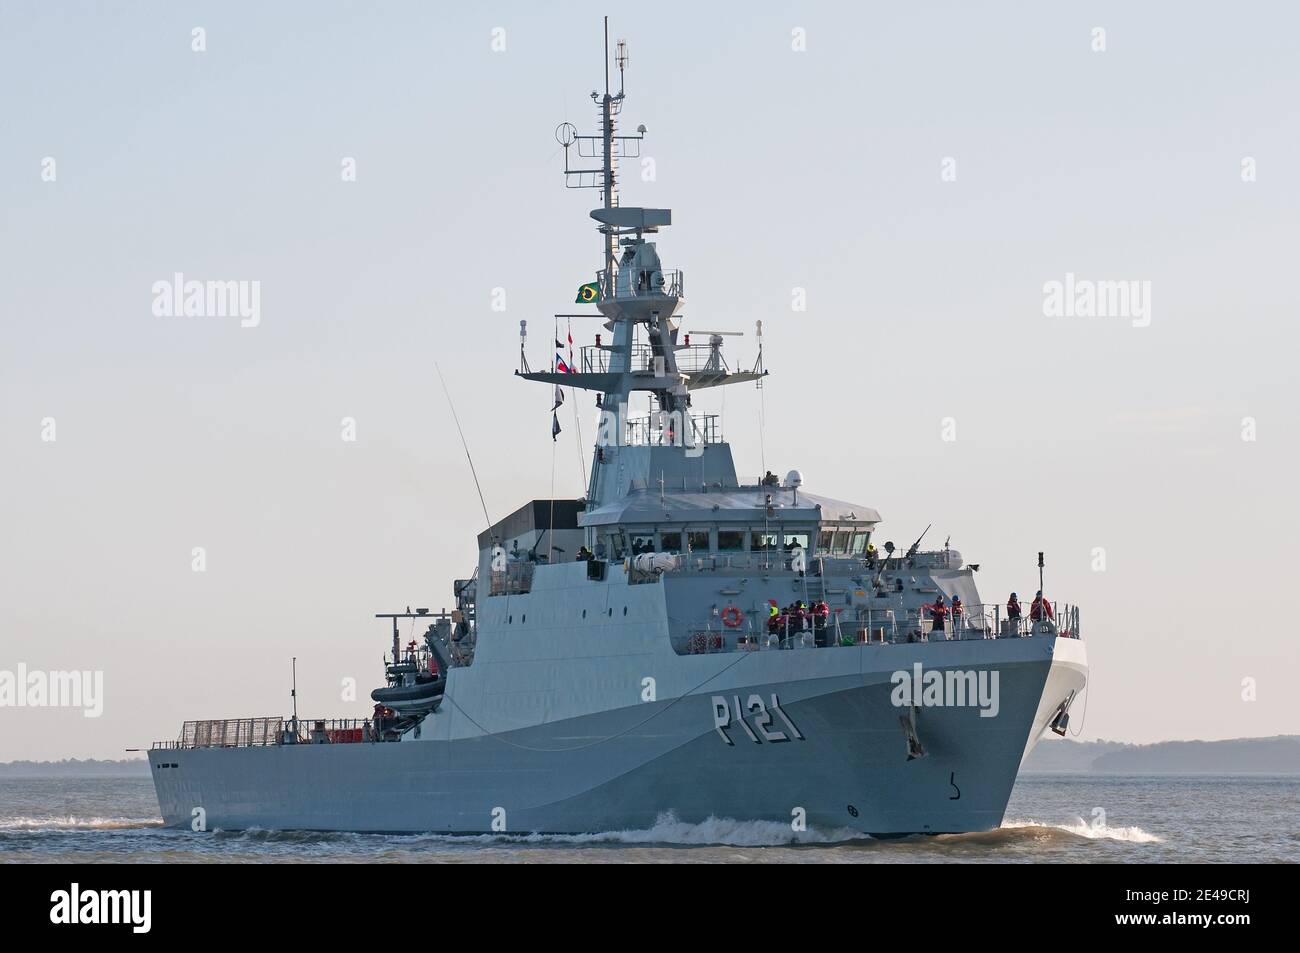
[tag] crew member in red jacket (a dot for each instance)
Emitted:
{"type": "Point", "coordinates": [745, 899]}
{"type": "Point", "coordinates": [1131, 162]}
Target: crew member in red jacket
{"type": "Point", "coordinates": [938, 612]}
{"type": "Point", "coordinates": [1041, 609]}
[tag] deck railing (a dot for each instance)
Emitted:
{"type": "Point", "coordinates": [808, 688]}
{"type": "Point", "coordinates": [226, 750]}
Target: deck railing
{"type": "Point", "coordinates": [849, 626]}
{"type": "Point", "coordinates": [630, 285]}
{"type": "Point", "coordinates": [644, 359]}
{"type": "Point", "coordinates": [260, 732]}
{"type": "Point", "coordinates": [660, 430]}
{"type": "Point", "coordinates": [516, 578]}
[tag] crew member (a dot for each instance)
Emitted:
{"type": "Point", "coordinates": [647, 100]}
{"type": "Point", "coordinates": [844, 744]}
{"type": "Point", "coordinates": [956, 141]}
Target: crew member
{"type": "Point", "coordinates": [1040, 610]}
{"type": "Point", "coordinates": [938, 612]}
{"type": "Point", "coordinates": [957, 610]}
{"type": "Point", "coordinates": [1013, 608]}
{"type": "Point", "coordinates": [821, 613]}
{"type": "Point", "coordinates": [820, 616]}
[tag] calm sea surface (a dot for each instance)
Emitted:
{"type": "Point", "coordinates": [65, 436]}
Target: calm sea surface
{"type": "Point", "coordinates": [1051, 818]}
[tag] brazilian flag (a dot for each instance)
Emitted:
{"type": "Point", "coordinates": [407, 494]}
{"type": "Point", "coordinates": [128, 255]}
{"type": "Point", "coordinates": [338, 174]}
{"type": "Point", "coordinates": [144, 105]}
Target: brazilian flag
{"type": "Point", "coordinates": [588, 293]}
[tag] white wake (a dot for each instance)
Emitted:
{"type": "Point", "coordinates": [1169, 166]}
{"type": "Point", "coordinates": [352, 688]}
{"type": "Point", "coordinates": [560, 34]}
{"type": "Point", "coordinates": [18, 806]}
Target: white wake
{"type": "Point", "coordinates": [667, 829]}
{"type": "Point", "coordinates": [1092, 831]}
{"type": "Point", "coordinates": [69, 823]}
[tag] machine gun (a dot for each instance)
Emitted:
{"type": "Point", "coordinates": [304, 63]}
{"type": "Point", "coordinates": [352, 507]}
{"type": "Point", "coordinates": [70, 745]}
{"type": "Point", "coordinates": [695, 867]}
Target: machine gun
{"type": "Point", "coordinates": [532, 553]}
{"type": "Point", "coordinates": [915, 547]}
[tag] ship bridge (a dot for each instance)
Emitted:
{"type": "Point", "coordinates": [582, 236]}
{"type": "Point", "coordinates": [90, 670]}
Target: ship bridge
{"type": "Point", "coordinates": [753, 519]}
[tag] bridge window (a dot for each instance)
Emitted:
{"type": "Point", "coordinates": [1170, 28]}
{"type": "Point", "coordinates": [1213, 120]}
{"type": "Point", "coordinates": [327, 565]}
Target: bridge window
{"type": "Point", "coordinates": [642, 543]}
{"type": "Point", "coordinates": [698, 540]}
{"type": "Point", "coordinates": [731, 540]}
{"type": "Point", "coordinates": [824, 539]}
{"type": "Point", "coordinates": [670, 542]}
{"type": "Point", "coordinates": [762, 541]}
{"type": "Point", "coordinates": [799, 540]}
{"type": "Point", "coordinates": [860, 539]}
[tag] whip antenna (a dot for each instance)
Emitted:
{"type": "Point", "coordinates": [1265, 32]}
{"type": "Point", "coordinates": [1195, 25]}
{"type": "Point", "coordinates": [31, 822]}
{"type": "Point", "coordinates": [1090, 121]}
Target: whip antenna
{"type": "Point", "coordinates": [473, 472]}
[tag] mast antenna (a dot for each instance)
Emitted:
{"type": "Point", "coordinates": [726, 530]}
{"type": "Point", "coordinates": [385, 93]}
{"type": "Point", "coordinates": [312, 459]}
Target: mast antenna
{"type": "Point", "coordinates": [464, 443]}
{"type": "Point", "coordinates": [605, 149]}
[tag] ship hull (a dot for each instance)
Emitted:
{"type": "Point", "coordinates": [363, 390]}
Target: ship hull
{"type": "Point", "coordinates": [800, 737]}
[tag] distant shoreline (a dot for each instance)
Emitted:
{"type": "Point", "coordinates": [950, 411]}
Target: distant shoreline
{"type": "Point", "coordinates": [1278, 756]}
{"type": "Point", "coordinates": [74, 768]}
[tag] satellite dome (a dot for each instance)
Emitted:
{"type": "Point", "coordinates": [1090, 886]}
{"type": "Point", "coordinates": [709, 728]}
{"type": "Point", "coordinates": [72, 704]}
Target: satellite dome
{"type": "Point", "coordinates": [794, 479]}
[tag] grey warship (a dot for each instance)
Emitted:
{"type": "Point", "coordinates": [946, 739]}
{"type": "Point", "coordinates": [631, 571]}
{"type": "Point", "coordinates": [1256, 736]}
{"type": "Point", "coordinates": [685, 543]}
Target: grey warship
{"type": "Point", "coordinates": [719, 648]}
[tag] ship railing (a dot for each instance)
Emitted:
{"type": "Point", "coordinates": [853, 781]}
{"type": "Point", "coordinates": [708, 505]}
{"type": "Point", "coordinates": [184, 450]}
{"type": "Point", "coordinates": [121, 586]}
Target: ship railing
{"type": "Point", "coordinates": [816, 564]}
{"type": "Point", "coordinates": [516, 578]}
{"type": "Point", "coordinates": [330, 731]}
{"type": "Point", "coordinates": [781, 560]}
{"type": "Point", "coordinates": [848, 626]}
{"type": "Point", "coordinates": [695, 358]}
{"type": "Point", "coordinates": [595, 358]}
{"type": "Point", "coordinates": [777, 560]}
{"type": "Point", "coordinates": [264, 732]}
{"type": "Point", "coordinates": [644, 359]}
{"type": "Point", "coordinates": [615, 284]}
{"type": "Point", "coordinates": [230, 733]}
{"type": "Point", "coordinates": [659, 429]}
{"type": "Point", "coordinates": [988, 621]}
{"type": "Point", "coordinates": [1063, 621]}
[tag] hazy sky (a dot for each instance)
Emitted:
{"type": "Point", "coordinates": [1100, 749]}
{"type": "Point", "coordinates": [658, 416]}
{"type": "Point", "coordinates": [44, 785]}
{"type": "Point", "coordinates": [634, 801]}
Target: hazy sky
{"type": "Point", "coordinates": [820, 169]}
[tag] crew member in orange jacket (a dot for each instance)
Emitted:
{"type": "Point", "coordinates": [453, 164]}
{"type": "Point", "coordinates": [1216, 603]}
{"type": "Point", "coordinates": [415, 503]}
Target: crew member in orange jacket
{"type": "Point", "coordinates": [1041, 609]}
{"type": "Point", "coordinates": [938, 612]}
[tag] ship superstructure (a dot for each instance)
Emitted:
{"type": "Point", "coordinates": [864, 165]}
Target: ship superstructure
{"type": "Point", "coordinates": [678, 641]}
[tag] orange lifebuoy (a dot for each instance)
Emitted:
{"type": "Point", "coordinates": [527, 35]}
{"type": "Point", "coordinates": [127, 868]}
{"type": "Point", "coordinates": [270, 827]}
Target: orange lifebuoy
{"type": "Point", "coordinates": [732, 617]}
